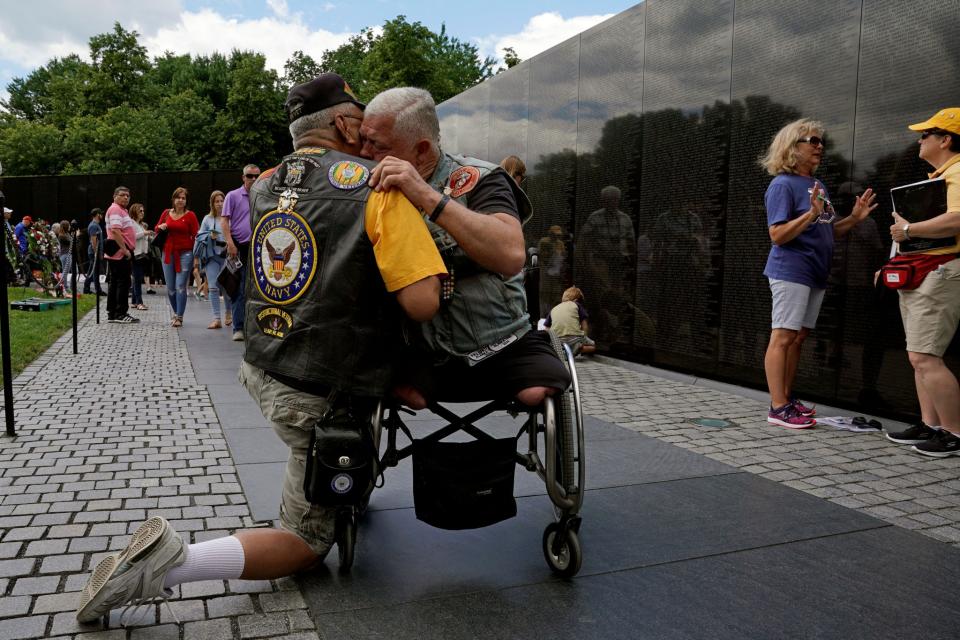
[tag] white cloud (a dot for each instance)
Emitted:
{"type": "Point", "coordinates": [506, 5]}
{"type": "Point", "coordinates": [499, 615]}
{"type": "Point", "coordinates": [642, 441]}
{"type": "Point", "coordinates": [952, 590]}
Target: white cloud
{"type": "Point", "coordinates": [539, 34]}
{"type": "Point", "coordinates": [31, 32]}
{"type": "Point", "coordinates": [206, 31]}
{"type": "Point", "coordinates": [279, 8]}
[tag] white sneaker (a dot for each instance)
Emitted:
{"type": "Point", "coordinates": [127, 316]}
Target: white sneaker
{"type": "Point", "coordinates": [237, 336]}
{"type": "Point", "coordinates": [135, 574]}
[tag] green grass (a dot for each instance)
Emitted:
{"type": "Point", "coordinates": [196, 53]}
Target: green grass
{"type": "Point", "coordinates": [32, 332]}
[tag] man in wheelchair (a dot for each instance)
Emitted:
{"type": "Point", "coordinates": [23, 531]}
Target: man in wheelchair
{"type": "Point", "coordinates": [328, 257]}
{"type": "Point", "coordinates": [480, 345]}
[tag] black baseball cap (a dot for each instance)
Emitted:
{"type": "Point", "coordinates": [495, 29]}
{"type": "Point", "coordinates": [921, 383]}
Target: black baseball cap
{"type": "Point", "coordinates": [324, 91]}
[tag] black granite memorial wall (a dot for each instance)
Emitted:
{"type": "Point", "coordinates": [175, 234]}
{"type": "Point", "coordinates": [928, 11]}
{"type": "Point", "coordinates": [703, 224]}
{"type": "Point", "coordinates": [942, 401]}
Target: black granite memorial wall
{"type": "Point", "coordinates": [641, 138]}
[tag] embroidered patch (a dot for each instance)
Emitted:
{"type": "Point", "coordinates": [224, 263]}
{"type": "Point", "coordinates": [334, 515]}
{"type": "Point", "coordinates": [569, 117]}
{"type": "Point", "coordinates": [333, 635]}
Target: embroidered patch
{"type": "Point", "coordinates": [348, 175]}
{"type": "Point", "coordinates": [463, 180]}
{"type": "Point", "coordinates": [274, 322]}
{"type": "Point", "coordinates": [295, 172]}
{"type": "Point", "coordinates": [284, 256]}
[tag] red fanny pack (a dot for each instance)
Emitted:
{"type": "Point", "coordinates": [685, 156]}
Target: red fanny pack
{"type": "Point", "coordinates": [908, 272]}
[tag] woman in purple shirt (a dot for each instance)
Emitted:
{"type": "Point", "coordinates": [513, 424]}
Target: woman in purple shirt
{"type": "Point", "coordinates": [802, 226]}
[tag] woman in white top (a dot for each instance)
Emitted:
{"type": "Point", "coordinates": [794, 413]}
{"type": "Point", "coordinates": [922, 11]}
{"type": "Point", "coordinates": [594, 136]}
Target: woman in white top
{"type": "Point", "coordinates": [141, 255]}
{"type": "Point", "coordinates": [210, 250]}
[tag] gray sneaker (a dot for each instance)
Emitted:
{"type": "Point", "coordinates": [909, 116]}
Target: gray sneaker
{"type": "Point", "coordinates": [135, 574]}
{"type": "Point", "coordinates": [238, 336]}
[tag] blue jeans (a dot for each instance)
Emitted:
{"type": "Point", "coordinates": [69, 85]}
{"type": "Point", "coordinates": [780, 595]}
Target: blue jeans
{"type": "Point", "coordinates": [212, 269]}
{"type": "Point", "coordinates": [177, 293]}
{"type": "Point", "coordinates": [137, 281]}
{"type": "Point", "coordinates": [239, 303]}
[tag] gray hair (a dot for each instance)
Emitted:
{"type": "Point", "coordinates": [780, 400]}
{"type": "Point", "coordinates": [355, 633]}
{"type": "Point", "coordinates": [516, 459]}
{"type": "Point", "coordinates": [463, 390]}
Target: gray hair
{"type": "Point", "coordinates": [414, 113]}
{"type": "Point", "coordinates": [248, 167]}
{"type": "Point", "coordinates": [317, 121]}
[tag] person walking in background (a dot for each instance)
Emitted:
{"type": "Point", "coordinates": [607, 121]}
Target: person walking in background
{"type": "Point", "coordinates": [64, 241]}
{"type": "Point", "coordinates": [94, 252]}
{"type": "Point", "coordinates": [210, 253]}
{"type": "Point", "coordinates": [802, 225]}
{"type": "Point", "coordinates": [118, 251]}
{"type": "Point", "coordinates": [181, 226]}
{"type": "Point", "coordinates": [235, 223]}
{"type": "Point", "coordinates": [931, 312]}
{"type": "Point", "coordinates": [20, 231]}
{"type": "Point", "coordinates": [141, 255]}
{"type": "Point", "coordinates": [569, 321]}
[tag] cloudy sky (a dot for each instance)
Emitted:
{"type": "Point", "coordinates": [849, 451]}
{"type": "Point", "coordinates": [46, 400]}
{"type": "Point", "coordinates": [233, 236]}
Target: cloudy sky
{"type": "Point", "coordinates": [33, 32]}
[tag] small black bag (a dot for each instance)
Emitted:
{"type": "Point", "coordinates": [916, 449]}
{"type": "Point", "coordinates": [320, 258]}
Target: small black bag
{"type": "Point", "coordinates": [341, 459]}
{"type": "Point", "coordinates": [159, 240]}
{"type": "Point", "coordinates": [464, 485]}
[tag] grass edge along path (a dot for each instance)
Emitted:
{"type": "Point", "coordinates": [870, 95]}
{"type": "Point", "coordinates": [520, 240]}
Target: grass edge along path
{"type": "Point", "coordinates": [32, 332]}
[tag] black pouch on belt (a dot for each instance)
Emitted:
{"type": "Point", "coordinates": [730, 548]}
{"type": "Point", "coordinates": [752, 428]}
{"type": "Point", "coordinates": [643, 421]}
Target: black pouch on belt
{"type": "Point", "coordinates": [341, 459]}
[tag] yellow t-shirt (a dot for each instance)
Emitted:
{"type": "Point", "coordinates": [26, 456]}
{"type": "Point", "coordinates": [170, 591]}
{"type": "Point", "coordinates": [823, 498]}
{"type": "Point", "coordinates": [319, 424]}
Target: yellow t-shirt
{"type": "Point", "coordinates": [402, 245]}
{"type": "Point", "coordinates": [950, 170]}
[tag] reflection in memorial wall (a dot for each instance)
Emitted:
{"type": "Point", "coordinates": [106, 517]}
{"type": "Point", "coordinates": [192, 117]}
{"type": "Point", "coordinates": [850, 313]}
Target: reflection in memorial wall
{"type": "Point", "coordinates": [641, 138]}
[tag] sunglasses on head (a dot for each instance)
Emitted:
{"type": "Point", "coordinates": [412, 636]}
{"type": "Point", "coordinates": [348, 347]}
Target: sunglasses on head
{"type": "Point", "coordinates": [816, 141]}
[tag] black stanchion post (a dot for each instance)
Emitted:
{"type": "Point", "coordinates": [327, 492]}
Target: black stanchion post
{"type": "Point", "coordinates": [74, 276]}
{"type": "Point", "coordinates": [5, 334]}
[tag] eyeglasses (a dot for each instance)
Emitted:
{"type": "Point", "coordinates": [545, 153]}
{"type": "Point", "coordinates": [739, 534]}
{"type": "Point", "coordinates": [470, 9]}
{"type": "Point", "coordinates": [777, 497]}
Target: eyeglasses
{"type": "Point", "coordinates": [251, 176]}
{"type": "Point", "coordinates": [925, 134]}
{"type": "Point", "coordinates": [816, 141]}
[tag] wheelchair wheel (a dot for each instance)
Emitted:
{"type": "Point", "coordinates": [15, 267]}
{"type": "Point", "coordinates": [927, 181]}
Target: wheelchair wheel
{"type": "Point", "coordinates": [569, 452]}
{"type": "Point", "coordinates": [346, 537]}
{"type": "Point", "coordinates": [563, 556]}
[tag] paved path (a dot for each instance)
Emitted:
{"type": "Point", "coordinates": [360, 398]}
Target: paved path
{"type": "Point", "coordinates": [125, 430]}
{"type": "Point", "coordinates": [104, 439]}
{"type": "Point", "coordinates": [863, 471]}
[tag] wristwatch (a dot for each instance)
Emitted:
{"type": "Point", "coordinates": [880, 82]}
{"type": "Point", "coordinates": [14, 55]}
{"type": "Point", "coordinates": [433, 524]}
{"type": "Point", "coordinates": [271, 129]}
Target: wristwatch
{"type": "Point", "coordinates": [906, 230]}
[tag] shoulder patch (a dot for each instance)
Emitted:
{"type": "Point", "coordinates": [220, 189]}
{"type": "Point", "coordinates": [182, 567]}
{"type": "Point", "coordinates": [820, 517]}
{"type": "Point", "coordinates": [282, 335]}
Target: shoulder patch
{"type": "Point", "coordinates": [463, 180]}
{"type": "Point", "coordinates": [348, 175]}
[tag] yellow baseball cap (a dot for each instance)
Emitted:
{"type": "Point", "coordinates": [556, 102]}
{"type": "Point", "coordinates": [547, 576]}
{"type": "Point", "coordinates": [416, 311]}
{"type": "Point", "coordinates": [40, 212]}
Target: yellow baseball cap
{"type": "Point", "coordinates": [946, 119]}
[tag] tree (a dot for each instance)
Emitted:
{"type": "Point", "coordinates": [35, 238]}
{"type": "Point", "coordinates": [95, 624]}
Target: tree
{"type": "Point", "coordinates": [510, 57]}
{"type": "Point", "coordinates": [252, 128]}
{"type": "Point", "coordinates": [406, 54]}
{"type": "Point", "coordinates": [31, 148]}
{"type": "Point", "coordinates": [121, 141]}
{"type": "Point", "coordinates": [300, 68]}
{"type": "Point", "coordinates": [120, 63]}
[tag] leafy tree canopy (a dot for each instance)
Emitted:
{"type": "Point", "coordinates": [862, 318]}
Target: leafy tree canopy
{"type": "Point", "coordinates": [122, 111]}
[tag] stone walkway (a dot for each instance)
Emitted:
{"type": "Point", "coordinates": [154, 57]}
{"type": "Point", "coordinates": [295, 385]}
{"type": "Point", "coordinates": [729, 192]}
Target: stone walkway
{"type": "Point", "coordinates": [124, 430]}
{"type": "Point", "coordinates": [105, 439]}
{"type": "Point", "coordinates": [863, 471]}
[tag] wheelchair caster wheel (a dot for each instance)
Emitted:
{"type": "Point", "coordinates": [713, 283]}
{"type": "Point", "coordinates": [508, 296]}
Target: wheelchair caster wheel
{"type": "Point", "coordinates": [564, 556]}
{"type": "Point", "coordinates": [346, 538]}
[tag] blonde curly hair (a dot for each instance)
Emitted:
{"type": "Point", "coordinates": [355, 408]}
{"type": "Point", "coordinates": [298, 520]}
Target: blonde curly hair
{"type": "Point", "coordinates": [781, 155]}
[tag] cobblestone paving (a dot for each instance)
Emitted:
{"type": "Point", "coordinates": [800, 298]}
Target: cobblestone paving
{"type": "Point", "coordinates": [863, 471]}
{"type": "Point", "coordinates": [104, 439]}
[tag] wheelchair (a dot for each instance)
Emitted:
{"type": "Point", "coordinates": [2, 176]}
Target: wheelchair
{"type": "Point", "coordinates": [554, 428]}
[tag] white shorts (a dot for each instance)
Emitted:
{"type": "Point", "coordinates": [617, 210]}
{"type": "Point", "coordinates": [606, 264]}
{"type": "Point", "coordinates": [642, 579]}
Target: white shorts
{"type": "Point", "coordinates": [795, 306]}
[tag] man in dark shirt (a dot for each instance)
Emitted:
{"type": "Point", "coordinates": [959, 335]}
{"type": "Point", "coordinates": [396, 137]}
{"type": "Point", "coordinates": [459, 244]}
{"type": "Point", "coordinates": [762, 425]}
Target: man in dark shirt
{"type": "Point", "coordinates": [94, 252]}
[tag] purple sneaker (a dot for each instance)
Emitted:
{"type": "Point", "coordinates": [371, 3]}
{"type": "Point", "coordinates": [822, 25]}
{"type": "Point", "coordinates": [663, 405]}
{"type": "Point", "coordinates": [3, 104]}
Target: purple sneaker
{"type": "Point", "coordinates": [802, 409]}
{"type": "Point", "coordinates": [787, 416]}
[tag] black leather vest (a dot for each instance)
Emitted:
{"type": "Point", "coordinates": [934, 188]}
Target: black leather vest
{"type": "Point", "coordinates": [317, 309]}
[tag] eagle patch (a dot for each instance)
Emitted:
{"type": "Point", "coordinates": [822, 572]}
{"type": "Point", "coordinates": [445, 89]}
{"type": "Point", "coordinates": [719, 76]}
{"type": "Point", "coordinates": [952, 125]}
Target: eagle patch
{"type": "Point", "coordinates": [284, 256]}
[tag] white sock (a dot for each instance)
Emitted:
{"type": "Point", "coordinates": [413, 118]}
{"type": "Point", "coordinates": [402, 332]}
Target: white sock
{"type": "Point", "coordinates": [217, 559]}
{"type": "Point", "coordinates": [935, 428]}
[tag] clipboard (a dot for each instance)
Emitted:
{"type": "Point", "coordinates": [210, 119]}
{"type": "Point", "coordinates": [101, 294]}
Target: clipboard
{"type": "Point", "coordinates": [917, 202]}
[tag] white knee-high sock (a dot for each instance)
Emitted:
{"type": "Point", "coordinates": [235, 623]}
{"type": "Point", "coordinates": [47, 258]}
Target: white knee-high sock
{"type": "Point", "coordinates": [218, 559]}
